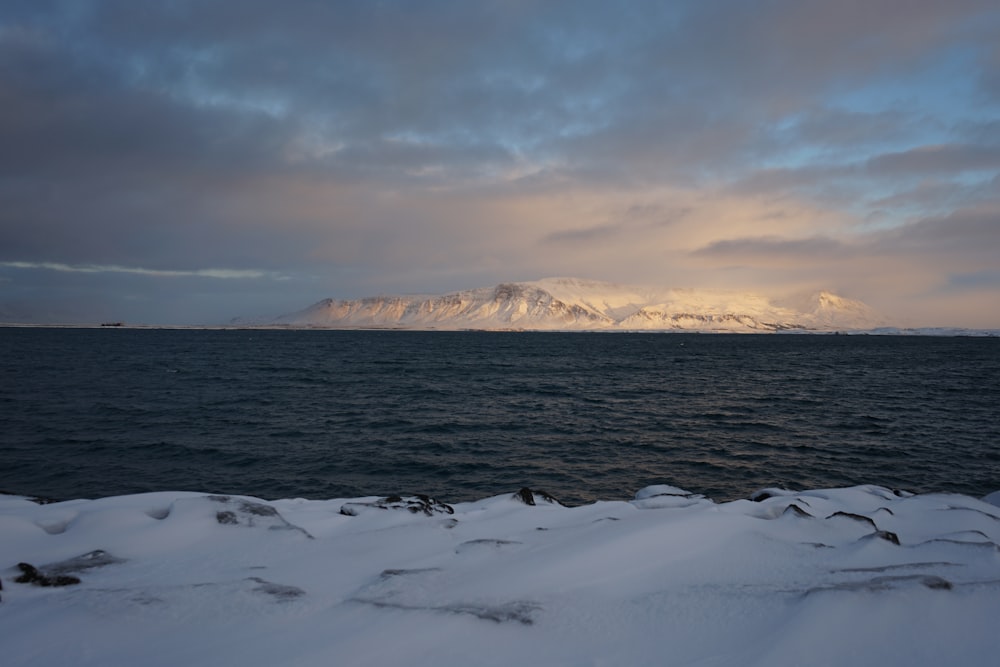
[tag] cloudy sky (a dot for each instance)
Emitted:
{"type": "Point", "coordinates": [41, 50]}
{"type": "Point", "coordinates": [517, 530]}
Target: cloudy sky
{"type": "Point", "coordinates": [192, 161]}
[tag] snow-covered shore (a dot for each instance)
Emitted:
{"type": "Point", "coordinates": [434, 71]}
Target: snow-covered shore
{"type": "Point", "coordinates": [860, 576]}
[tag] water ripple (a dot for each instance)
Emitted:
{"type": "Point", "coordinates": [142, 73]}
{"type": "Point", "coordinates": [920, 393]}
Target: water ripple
{"type": "Point", "coordinates": [467, 415]}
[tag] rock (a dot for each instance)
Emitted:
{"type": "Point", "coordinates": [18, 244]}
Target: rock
{"type": "Point", "coordinates": [528, 497]}
{"type": "Point", "coordinates": [226, 518]}
{"type": "Point", "coordinates": [417, 504]}
{"type": "Point", "coordinates": [888, 536]}
{"type": "Point", "coordinates": [280, 592]}
{"type": "Point", "coordinates": [31, 575]}
{"type": "Point", "coordinates": [241, 512]}
{"type": "Point", "coordinates": [87, 561]}
{"type": "Point", "coordinates": [881, 535]}
{"type": "Point", "coordinates": [797, 511]}
{"type": "Point", "coordinates": [887, 583]}
{"type": "Point", "coordinates": [57, 574]}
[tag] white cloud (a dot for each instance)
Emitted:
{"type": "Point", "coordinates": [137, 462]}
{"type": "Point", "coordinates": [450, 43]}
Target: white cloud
{"type": "Point", "coordinates": [224, 274]}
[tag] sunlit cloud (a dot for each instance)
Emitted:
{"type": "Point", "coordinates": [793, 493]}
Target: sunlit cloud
{"type": "Point", "coordinates": [223, 274]}
{"type": "Point", "coordinates": [347, 149]}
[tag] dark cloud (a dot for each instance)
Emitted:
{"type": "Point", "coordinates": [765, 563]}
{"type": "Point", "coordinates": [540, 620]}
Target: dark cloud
{"type": "Point", "coordinates": [362, 141]}
{"type": "Point", "coordinates": [989, 278]}
{"type": "Point", "coordinates": [771, 247]}
{"type": "Point", "coordinates": [588, 234]}
{"type": "Point", "coordinates": [971, 233]}
{"type": "Point", "coordinates": [937, 159]}
{"type": "Point", "coordinates": [839, 134]}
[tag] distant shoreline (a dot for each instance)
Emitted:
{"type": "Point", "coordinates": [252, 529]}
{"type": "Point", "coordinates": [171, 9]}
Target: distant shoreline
{"type": "Point", "coordinates": [947, 332]}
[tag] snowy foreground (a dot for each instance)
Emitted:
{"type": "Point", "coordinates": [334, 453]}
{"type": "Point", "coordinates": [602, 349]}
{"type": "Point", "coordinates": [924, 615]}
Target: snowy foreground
{"type": "Point", "coordinates": [860, 576]}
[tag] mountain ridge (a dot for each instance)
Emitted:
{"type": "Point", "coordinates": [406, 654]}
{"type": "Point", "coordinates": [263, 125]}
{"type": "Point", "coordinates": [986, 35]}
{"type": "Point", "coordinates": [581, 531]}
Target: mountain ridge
{"type": "Point", "coordinates": [575, 304]}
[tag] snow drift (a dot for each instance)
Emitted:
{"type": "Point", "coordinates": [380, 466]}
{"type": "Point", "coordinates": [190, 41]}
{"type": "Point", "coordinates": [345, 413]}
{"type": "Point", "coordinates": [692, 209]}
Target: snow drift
{"type": "Point", "coordinates": [862, 575]}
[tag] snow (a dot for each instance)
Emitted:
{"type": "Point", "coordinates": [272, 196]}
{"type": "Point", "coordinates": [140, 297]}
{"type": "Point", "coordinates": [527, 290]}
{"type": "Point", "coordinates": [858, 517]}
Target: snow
{"type": "Point", "coordinates": [860, 575]}
{"type": "Point", "coordinates": [578, 304]}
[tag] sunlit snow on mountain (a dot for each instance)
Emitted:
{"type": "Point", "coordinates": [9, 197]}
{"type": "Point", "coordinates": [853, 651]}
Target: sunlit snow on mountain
{"type": "Point", "coordinates": [576, 304]}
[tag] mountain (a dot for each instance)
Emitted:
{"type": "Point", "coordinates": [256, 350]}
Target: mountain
{"type": "Point", "coordinates": [575, 304]}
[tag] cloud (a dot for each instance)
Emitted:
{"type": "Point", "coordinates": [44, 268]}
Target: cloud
{"type": "Point", "coordinates": [770, 247]}
{"type": "Point", "coordinates": [937, 159]}
{"type": "Point", "coordinates": [987, 279]}
{"type": "Point", "coordinates": [365, 147]}
{"type": "Point", "coordinates": [582, 235]}
{"type": "Point", "coordinates": [223, 274]}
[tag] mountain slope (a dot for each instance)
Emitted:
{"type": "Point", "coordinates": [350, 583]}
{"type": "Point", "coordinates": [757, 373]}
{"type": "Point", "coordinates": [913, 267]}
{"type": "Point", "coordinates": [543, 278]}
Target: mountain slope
{"type": "Point", "coordinates": [567, 303]}
{"type": "Point", "coordinates": [575, 304]}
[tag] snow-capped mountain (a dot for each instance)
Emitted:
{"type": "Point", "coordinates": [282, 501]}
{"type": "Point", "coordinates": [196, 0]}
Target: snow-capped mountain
{"type": "Point", "coordinates": [575, 304]}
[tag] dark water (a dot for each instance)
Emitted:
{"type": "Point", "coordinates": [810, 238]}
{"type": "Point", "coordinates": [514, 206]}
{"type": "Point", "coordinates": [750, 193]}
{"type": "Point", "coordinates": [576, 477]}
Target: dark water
{"type": "Point", "coordinates": [460, 416]}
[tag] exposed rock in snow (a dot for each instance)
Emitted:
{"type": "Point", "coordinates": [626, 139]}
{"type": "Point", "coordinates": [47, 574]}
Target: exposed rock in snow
{"type": "Point", "coordinates": [575, 304]}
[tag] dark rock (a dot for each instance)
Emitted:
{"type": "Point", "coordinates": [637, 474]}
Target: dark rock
{"type": "Point", "coordinates": [31, 575]}
{"type": "Point", "coordinates": [881, 535]}
{"type": "Point", "coordinates": [253, 514]}
{"type": "Point", "coordinates": [900, 566]}
{"type": "Point", "coordinates": [87, 561]}
{"type": "Point", "coordinates": [797, 511]}
{"type": "Point", "coordinates": [518, 611]}
{"type": "Point", "coordinates": [246, 506]}
{"type": "Point", "coordinates": [529, 496]}
{"type": "Point", "coordinates": [417, 504]}
{"type": "Point", "coordinates": [887, 536]}
{"type": "Point", "coordinates": [886, 583]}
{"type": "Point", "coordinates": [281, 592]}
{"type": "Point", "coordinates": [402, 572]}
{"type": "Point", "coordinates": [256, 509]}
{"type": "Point", "coordinates": [936, 583]}
{"type": "Point", "coordinates": [485, 544]}
{"type": "Point", "coordinates": [525, 496]}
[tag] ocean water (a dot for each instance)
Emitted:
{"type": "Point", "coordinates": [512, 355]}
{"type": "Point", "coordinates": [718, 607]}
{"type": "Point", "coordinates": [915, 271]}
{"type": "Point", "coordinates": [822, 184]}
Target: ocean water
{"type": "Point", "coordinates": [466, 415]}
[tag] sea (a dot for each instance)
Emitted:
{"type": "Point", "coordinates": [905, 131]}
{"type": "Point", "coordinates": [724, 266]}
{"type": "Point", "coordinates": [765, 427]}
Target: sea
{"type": "Point", "coordinates": [459, 416]}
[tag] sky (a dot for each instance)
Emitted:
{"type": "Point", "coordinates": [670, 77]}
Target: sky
{"type": "Point", "coordinates": [188, 162]}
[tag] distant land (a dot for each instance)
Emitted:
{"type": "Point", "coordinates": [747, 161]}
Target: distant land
{"type": "Point", "coordinates": [570, 304]}
{"type": "Point", "coordinates": [575, 304]}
